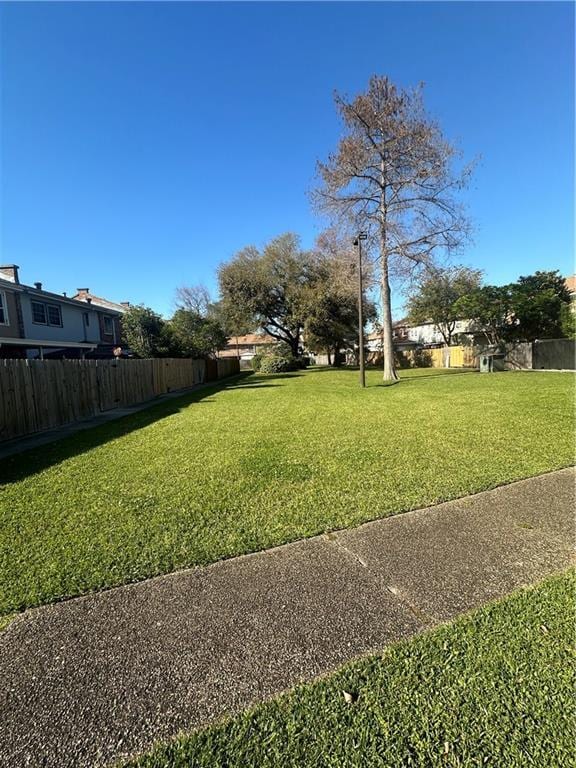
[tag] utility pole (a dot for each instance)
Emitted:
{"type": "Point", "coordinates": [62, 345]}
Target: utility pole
{"type": "Point", "coordinates": [358, 242]}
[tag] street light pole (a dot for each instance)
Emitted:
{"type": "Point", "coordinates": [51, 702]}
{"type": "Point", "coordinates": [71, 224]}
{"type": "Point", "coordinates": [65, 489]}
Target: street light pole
{"type": "Point", "coordinates": [358, 242]}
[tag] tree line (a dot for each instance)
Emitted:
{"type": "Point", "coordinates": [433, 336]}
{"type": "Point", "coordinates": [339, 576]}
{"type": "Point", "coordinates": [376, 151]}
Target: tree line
{"type": "Point", "coordinates": [534, 307]}
{"type": "Point", "coordinates": [397, 179]}
{"type": "Point", "coordinates": [289, 293]}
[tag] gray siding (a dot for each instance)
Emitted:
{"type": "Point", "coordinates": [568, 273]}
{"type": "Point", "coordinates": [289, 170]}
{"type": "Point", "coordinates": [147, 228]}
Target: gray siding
{"type": "Point", "coordinates": [11, 330]}
{"type": "Point", "coordinates": [73, 326]}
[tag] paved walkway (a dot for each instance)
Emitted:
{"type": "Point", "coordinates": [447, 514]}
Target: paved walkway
{"type": "Point", "coordinates": [90, 680]}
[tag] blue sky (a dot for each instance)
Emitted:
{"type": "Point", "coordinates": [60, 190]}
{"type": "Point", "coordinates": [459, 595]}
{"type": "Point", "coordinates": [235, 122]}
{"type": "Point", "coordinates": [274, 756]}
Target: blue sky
{"type": "Point", "coordinates": [144, 143]}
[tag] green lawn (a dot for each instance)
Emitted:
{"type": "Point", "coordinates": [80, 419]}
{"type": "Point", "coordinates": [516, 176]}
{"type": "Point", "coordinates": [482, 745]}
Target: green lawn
{"type": "Point", "coordinates": [495, 688]}
{"type": "Point", "coordinates": [263, 461]}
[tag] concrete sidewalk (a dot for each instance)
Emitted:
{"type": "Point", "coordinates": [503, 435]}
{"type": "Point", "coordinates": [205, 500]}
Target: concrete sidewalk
{"type": "Point", "coordinates": [90, 680]}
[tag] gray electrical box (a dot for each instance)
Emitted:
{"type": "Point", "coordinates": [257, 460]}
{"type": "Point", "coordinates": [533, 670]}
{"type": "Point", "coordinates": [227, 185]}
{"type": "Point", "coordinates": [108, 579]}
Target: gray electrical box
{"type": "Point", "coordinates": [486, 363]}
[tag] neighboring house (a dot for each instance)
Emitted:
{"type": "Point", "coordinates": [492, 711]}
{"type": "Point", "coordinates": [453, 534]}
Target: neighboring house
{"type": "Point", "coordinates": [406, 336]}
{"type": "Point", "coordinates": [39, 323]}
{"type": "Point", "coordinates": [245, 347]}
{"type": "Point", "coordinates": [428, 334]}
{"type": "Point", "coordinates": [109, 314]}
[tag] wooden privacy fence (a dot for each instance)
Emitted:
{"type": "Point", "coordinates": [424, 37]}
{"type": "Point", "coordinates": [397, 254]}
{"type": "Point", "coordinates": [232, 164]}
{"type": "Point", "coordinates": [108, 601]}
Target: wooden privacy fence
{"type": "Point", "coordinates": [462, 357]}
{"type": "Point", "coordinates": [441, 357]}
{"type": "Point", "coordinates": [42, 394]}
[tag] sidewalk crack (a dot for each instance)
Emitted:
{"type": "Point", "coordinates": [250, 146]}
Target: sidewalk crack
{"type": "Point", "coordinates": [417, 612]}
{"type": "Point", "coordinates": [422, 616]}
{"type": "Point", "coordinates": [332, 538]}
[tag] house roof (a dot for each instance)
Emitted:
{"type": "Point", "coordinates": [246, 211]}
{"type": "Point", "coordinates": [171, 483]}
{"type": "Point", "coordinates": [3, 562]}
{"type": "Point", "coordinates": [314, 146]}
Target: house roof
{"type": "Point", "coordinates": [251, 339]}
{"type": "Point", "coordinates": [83, 294]}
{"type": "Point", "coordinates": [40, 293]}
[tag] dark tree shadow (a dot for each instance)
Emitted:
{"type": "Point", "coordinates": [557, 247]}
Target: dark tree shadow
{"type": "Point", "coordinates": [35, 459]}
{"type": "Point", "coordinates": [464, 372]}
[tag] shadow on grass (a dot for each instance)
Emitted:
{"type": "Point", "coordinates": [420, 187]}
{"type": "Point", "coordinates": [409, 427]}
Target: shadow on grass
{"type": "Point", "coordinates": [35, 459]}
{"type": "Point", "coordinates": [411, 379]}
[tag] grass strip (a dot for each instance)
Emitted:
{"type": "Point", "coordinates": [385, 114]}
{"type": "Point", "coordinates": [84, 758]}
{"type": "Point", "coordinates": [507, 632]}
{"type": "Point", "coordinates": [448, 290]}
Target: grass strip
{"type": "Point", "coordinates": [261, 461]}
{"type": "Point", "coordinates": [494, 688]}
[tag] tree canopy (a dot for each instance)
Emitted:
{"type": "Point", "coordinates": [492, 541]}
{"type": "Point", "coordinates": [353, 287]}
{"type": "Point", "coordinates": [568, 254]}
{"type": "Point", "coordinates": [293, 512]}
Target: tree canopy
{"type": "Point", "coordinates": [269, 287]}
{"type": "Point", "coordinates": [332, 312]}
{"type": "Point", "coordinates": [295, 295]}
{"type": "Point", "coordinates": [490, 309]}
{"type": "Point", "coordinates": [194, 335]}
{"type": "Point", "coordinates": [433, 298]}
{"type": "Point", "coordinates": [537, 302]}
{"type": "Point", "coordinates": [186, 334]}
{"type": "Point", "coordinates": [532, 308]}
{"type": "Point", "coordinates": [145, 333]}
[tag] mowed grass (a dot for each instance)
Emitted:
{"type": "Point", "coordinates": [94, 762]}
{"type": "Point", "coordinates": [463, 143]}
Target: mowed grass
{"type": "Point", "coordinates": [262, 461]}
{"type": "Point", "coordinates": [493, 689]}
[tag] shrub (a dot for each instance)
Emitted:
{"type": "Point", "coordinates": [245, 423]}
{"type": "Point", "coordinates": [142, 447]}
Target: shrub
{"type": "Point", "coordinates": [256, 362]}
{"type": "Point", "coordinates": [277, 364]}
{"type": "Point", "coordinates": [401, 359]}
{"type": "Point", "coordinates": [422, 358]}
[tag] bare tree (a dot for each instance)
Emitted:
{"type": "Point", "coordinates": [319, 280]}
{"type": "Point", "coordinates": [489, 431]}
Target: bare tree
{"type": "Point", "coordinates": [335, 247]}
{"type": "Point", "coordinates": [193, 297]}
{"type": "Point", "coordinates": [392, 176]}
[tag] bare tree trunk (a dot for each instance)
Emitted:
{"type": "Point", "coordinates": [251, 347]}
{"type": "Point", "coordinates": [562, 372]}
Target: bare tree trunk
{"type": "Point", "coordinates": [387, 343]}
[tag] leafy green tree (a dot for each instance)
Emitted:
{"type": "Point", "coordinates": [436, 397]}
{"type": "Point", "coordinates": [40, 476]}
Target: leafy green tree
{"type": "Point", "coordinates": [568, 320]}
{"type": "Point", "coordinates": [196, 336]}
{"type": "Point", "coordinates": [268, 288]}
{"type": "Point", "coordinates": [490, 309]}
{"type": "Point", "coordinates": [537, 302]}
{"type": "Point", "coordinates": [146, 333]}
{"type": "Point", "coordinates": [332, 296]}
{"type": "Point", "coordinates": [332, 320]}
{"type": "Point", "coordinates": [434, 298]}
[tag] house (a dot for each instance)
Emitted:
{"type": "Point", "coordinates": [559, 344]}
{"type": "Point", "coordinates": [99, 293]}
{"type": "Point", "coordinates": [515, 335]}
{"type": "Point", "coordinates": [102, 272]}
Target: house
{"type": "Point", "coordinates": [109, 314]}
{"type": "Point", "coordinates": [38, 323]}
{"type": "Point", "coordinates": [406, 336]}
{"type": "Point", "coordinates": [245, 347]}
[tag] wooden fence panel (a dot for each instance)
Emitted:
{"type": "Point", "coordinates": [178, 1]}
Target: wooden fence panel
{"type": "Point", "coordinates": [442, 357]}
{"type": "Point", "coordinates": [437, 356]}
{"type": "Point", "coordinates": [41, 394]}
{"type": "Point", "coordinates": [227, 367]}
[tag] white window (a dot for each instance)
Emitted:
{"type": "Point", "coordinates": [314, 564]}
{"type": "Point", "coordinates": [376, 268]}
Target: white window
{"type": "Point", "coordinates": [54, 314]}
{"type": "Point", "coordinates": [38, 313]}
{"type": "Point", "coordinates": [3, 309]}
{"type": "Point", "coordinates": [46, 314]}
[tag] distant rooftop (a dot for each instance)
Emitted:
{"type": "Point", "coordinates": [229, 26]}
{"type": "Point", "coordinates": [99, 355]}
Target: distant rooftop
{"type": "Point", "coordinates": [83, 294]}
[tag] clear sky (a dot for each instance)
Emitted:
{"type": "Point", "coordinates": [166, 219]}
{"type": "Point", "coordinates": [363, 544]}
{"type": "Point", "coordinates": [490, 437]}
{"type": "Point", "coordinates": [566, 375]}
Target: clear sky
{"type": "Point", "coordinates": [144, 143]}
